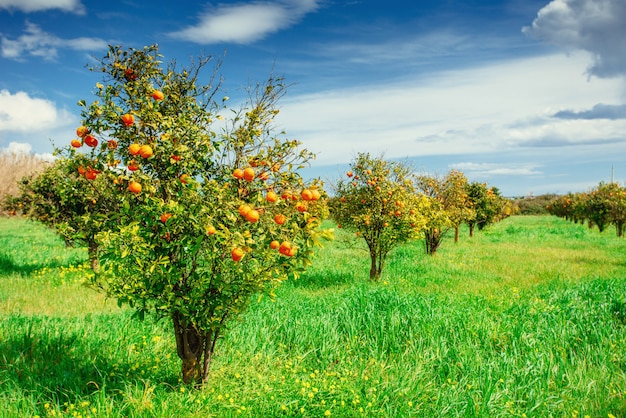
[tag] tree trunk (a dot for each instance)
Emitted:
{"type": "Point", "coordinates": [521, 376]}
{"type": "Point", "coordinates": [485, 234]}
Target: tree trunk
{"type": "Point", "coordinates": [456, 234]}
{"type": "Point", "coordinates": [471, 229]}
{"type": "Point", "coordinates": [375, 268]}
{"type": "Point", "coordinates": [92, 251]}
{"type": "Point", "coordinates": [195, 349]}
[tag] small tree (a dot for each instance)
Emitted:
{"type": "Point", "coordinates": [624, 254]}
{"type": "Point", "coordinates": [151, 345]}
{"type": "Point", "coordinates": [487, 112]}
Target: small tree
{"type": "Point", "coordinates": [66, 198]}
{"type": "Point", "coordinates": [487, 203]}
{"type": "Point", "coordinates": [377, 199]}
{"type": "Point", "coordinates": [451, 206]}
{"type": "Point", "coordinates": [206, 218]}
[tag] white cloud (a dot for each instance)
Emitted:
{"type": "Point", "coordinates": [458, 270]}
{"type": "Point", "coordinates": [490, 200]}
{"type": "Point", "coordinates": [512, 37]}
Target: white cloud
{"type": "Point", "coordinates": [28, 6]}
{"type": "Point", "coordinates": [491, 169]}
{"type": "Point", "coordinates": [21, 113]}
{"type": "Point", "coordinates": [596, 26]}
{"type": "Point", "coordinates": [36, 42]}
{"type": "Point", "coordinates": [491, 108]}
{"type": "Point", "coordinates": [245, 22]}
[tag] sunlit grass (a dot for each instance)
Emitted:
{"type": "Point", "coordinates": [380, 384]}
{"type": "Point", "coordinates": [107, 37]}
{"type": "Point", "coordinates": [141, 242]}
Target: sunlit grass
{"type": "Point", "coordinates": [527, 318]}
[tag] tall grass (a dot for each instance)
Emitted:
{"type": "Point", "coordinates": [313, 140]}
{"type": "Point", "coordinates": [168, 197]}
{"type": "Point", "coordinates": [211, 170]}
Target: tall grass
{"type": "Point", "coordinates": [526, 319]}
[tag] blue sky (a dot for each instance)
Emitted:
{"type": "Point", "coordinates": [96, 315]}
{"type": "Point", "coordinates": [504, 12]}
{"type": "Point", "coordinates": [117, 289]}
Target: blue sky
{"type": "Point", "coordinates": [526, 95]}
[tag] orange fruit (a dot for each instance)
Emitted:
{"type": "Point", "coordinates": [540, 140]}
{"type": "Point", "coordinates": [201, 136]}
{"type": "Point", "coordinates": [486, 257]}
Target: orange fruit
{"type": "Point", "coordinates": [253, 216]}
{"type": "Point", "coordinates": [146, 151]}
{"type": "Point", "coordinates": [238, 173]}
{"type": "Point", "coordinates": [280, 219]}
{"type": "Point", "coordinates": [301, 207]}
{"type": "Point", "coordinates": [91, 174]}
{"type": "Point", "coordinates": [349, 174]}
{"type": "Point", "coordinates": [271, 197]}
{"type": "Point", "coordinates": [284, 247]}
{"type": "Point", "coordinates": [76, 143]}
{"type": "Point", "coordinates": [211, 230]}
{"type": "Point", "coordinates": [112, 144]}
{"type": "Point", "coordinates": [274, 245]}
{"type": "Point", "coordinates": [307, 194]}
{"type": "Point", "coordinates": [236, 254]}
{"type": "Point", "coordinates": [248, 174]}
{"type": "Point", "coordinates": [134, 187]}
{"type": "Point", "coordinates": [244, 209]}
{"type": "Point", "coordinates": [134, 149]}
{"type": "Point", "coordinates": [82, 131]}
{"type": "Point", "coordinates": [316, 194]}
{"type": "Point", "coordinates": [164, 217]}
{"type": "Point", "coordinates": [263, 176]}
{"type": "Point", "coordinates": [128, 119]}
{"type": "Point", "coordinates": [90, 141]}
{"type": "Point", "coordinates": [157, 95]}
{"type": "Point", "coordinates": [184, 178]}
{"type": "Point", "coordinates": [132, 166]}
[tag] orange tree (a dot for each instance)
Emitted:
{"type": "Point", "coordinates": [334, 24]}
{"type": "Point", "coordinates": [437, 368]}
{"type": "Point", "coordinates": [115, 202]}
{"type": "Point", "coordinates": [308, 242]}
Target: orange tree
{"type": "Point", "coordinates": [451, 206]}
{"type": "Point", "coordinates": [490, 207]}
{"type": "Point", "coordinates": [65, 197]}
{"type": "Point", "coordinates": [378, 201]}
{"type": "Point", "coordinates": [207, 217]}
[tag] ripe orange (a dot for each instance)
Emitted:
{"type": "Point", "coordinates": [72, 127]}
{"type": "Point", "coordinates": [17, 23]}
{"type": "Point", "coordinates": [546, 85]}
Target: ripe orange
{"type": "Point", "coordinates": [132, 166]}
{"type": "Point", "coordinates": [316, 194]}
{"type": "Point", "coordinates": [82, 170]}
{"type": "Point", "coordinates": [91, 174]}
{"type": "Point", "coordinates": [349, 174]}
{"type": "Point", "coordinates": [128, 119]}
{"type": "Point", "coordinates": [244, 209]}
{"type": "Point", "coordinates": [301, 207]}
{"type": "Point", "coordinates": [236, 254]}
{"type": "Point", "coordinates": [134, 149]}
{"type": "Point", "coordinates": [76, 143]}
{"type": "Point", "coordinates": [184, 178]}
{"type": "Point", "coordinates": [253, 216]}
{"type": "Point", "coordinates": [134, 187]}
{"type": "Point", "coordinates": [284, 247]}
{"type": "Point", "coordinates": [307, 194]}
{"type": "Point", "coordinates": [248, 174]}
{"type": "Point", "coordinates": [271, 197]}
{"type": "Point", "coordinates": [280, 219]}
{"type": "Point", "coordinates": [274, 245]}
{"type": "Point", "coordinates": [146, 151]}
{"type": "Point", "coordinates": [90, 141]}
{"type": "Point", "coordinates": [175, 157]}
{"type": "Point", "coordinates": [157, 95]}
{"type": "Point", "coordinates": [238, 173]}
{"type": "Point", "coordinates": [112, 144]}
{"type": "Point", "coordinates": [210, 230]}
{"type": "Point", "coordinates": [82, 131]}
{"type": "Point", "coordinates": [263, 176]}
{"type": "Point", "coordinates": [164, 217]}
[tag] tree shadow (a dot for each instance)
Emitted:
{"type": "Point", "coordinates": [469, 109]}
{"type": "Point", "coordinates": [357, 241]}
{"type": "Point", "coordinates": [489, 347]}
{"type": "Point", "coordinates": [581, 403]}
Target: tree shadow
{"type": "Point", "coordinates": [66, 366]}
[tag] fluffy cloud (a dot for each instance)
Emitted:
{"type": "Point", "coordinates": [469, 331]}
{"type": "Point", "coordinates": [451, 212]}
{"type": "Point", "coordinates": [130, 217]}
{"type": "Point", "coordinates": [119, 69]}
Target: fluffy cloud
{"type": "Point", "coordinates": [496, 107]}
{"type": "Point", "coordinates": [596, 26]}
{"type": "Point", "coordinates": [490, 169]}
{"type": "Point", "coordinates": [245, 22]}
{"type": "Point", "coordinates": [28, 6]}
{"type": "Point", "coordinates": [37, 43]}
{"type": "Point", "coordinates": [21, 113]}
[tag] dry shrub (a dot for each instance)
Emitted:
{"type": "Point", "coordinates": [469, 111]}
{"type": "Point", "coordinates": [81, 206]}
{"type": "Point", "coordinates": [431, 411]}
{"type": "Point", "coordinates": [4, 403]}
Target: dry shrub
{"type": "Point", "coordinates": [15, 166]}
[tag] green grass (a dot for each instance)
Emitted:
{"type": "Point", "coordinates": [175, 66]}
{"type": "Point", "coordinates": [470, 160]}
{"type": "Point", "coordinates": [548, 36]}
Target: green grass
{"type": "Point", "coordinates": [528, 318]}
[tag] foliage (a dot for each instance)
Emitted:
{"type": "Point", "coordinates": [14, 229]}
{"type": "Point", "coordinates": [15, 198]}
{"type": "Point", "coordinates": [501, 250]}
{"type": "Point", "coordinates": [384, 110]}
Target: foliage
{"type": "Point", "coordinates": [193, 238]}
{"type": "Point", "coordinates": [451, 206]}
{"type": "Point", "coordinates": [379, 202]}
{"type": "Point", "coordinates": [602, 206]}
{"type": "Point", "coordinates": [534, 205]}
{"type": "Point", "coordinates": [489, 205]}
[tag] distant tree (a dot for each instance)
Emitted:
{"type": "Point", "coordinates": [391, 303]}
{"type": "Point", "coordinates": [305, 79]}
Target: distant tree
{"type": "Point", "coordinates": [487, 203]}
{"type": "Point", "coordinates": [377, 200]}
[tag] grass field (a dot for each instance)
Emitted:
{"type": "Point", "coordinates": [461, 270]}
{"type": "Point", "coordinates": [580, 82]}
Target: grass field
{"type": "Point", "coordinates": [527, 319]}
